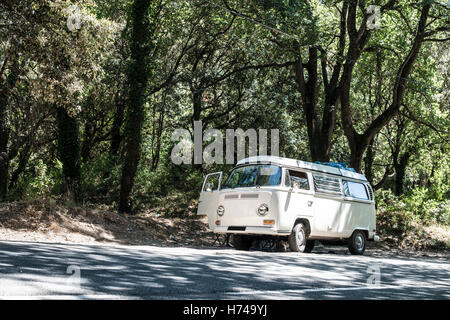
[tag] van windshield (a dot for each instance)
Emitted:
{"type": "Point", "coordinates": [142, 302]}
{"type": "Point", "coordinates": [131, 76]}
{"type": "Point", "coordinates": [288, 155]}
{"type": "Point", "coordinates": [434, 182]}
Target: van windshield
{"type": "Point", "coordinates": [254, 176]}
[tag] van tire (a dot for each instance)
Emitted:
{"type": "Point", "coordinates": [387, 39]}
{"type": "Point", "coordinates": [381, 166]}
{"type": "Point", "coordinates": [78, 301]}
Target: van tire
{"type": "Point", "coordinates": [298, 241]}
{"type": "Point", "coordinates": [357, 242]}
{"type": "Point", "coordinates": [242, 242]}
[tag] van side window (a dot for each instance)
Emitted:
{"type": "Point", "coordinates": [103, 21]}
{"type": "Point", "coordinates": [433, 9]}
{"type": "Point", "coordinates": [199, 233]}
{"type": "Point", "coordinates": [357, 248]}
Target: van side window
{"type": "Point", "coordinates": [326, 184]}
{"type": "Point", "coordinates": [299, 180]}
{"type": "Point", "coordinates": [355, 190]}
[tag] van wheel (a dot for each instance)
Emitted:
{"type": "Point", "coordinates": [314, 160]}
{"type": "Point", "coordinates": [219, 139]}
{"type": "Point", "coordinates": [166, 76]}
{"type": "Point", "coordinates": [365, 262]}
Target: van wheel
{"type": "Point", "coordinates": [298, 241]}
{"type": "Point", "coordinates": [241, 242]}
{"type": "Point", "coordinates": [357, 242]}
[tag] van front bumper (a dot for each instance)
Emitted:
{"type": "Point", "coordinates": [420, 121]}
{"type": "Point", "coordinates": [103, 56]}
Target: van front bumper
{"type": "Point", "coordinates": [251, 230]}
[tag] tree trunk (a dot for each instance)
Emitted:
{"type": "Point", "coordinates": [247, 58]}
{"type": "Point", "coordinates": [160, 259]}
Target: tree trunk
{"type": "Point", "coordinates": [69, 154]}
{"type": "Point", "coordinates": [156, 145]}
{"type": "Point", "coordinates": [368, 162]}
{"type": "Point", "coordinates": [23, 161]}
{"type": "Point", "coordinates": [4, 158]}
{"type": "Point", "coordinates": [357, 150]}
{"type": "Point", "coordinates": [197, 116]}
{"type": "Point", "coordinates": [383, 180]}
{"type": "Point", "coordinates": [9, 83]}
{"type": "Point", "coordinates": [319, 132]}
{"type": "Point", "coordinates": [400, 171]}
{"type": "Point", "coordinates": [116, 136]}
{"type": "Point", "coordinates": [142, 20]}
{"type": "Point", "coordinates": [87, 143]}
{"type": "Point", "coordinates": [319, 146]}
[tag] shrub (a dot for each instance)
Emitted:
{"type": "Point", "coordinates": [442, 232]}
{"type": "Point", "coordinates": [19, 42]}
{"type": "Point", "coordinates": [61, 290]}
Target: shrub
{"type": "Point", "coordinates": [418, 205]}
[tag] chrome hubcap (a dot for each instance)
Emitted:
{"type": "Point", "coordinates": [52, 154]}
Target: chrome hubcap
{"type": "Point", "coordinates": [300, 237]}
{"type": "Point", "coordinates": [359, 242]}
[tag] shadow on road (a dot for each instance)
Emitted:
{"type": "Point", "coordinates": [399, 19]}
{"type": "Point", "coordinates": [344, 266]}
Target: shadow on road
{"type": "Point", "coordinates": [154, 272]}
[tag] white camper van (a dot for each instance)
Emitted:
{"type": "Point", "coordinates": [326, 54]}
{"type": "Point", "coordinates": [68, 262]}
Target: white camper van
{"type": "Point", "coordinates": [292, 200]}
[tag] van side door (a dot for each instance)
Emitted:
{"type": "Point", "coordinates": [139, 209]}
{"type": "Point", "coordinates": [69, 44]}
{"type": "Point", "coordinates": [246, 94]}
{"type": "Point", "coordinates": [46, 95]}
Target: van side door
{"type": "Point", "coordinates": [327, 207]}
{"type": "Point", "coordinates": [300, 196]}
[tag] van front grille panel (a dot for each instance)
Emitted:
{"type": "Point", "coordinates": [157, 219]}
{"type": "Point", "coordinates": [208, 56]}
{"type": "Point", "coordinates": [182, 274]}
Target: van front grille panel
{"type": "Point", "coordinates": [249, 196]}
{"type": "Point", "coordinates": [231, 196]}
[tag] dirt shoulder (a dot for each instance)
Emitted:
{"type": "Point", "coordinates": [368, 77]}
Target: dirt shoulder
{"type": "Point", "coordinates": [53, 222]}
{"type": "Point", "coordinates": [49, 221]}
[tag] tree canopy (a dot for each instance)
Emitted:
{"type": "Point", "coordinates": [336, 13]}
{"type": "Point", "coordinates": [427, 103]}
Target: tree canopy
{"type": "Point", "coordinates": [92, 90]}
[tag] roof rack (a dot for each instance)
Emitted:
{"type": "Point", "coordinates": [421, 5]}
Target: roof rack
{"type": "Point", "coordinates": [318, 167]}
{"type": "Point", "coordinates": [340, 165]}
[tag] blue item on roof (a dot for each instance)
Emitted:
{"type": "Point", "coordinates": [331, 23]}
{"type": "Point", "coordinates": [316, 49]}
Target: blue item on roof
{"type": "Point", "coordinates": [339, 165]}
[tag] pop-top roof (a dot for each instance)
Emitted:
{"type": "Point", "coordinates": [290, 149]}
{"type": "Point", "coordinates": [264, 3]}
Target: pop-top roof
{"type": "Point", "coordinates": [304, 165]}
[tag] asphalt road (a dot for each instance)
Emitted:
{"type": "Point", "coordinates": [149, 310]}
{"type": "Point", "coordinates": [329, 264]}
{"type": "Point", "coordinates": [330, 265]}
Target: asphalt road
{"type": "Point", "coordinates": [62, 271]}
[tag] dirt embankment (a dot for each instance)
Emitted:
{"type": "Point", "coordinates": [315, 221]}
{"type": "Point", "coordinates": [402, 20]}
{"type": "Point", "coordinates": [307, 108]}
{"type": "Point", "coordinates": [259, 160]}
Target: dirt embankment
{"type": "Point", "coordinates": [50, 221]}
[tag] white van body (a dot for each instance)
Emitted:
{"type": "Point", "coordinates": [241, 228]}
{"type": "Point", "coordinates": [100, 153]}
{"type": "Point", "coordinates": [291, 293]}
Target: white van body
{"type": "Point", "coordinates": [330, 202]}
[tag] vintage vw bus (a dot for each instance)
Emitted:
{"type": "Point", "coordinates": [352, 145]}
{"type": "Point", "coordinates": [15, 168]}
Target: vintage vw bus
{"type": "Point", "coordinates": [292, 200]}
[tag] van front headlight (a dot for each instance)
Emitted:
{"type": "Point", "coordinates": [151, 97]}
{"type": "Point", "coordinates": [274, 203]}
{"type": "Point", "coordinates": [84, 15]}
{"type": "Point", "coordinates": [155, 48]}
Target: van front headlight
{"type": "Point", "coordinates": [263, 209]}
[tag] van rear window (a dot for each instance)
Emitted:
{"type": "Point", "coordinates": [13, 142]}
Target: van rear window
{"type": "Point", "coordinates": [355, 190]}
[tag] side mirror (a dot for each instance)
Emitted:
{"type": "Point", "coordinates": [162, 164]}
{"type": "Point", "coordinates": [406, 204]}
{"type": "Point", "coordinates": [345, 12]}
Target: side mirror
{"type": "Point", "coordinates": [208, 187]}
